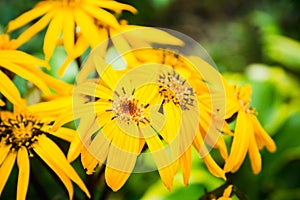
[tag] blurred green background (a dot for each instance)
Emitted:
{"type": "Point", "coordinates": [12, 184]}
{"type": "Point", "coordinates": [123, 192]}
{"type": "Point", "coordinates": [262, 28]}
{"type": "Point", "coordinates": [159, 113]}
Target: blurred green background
{"type": "Point", "coordinates": [257, 42]}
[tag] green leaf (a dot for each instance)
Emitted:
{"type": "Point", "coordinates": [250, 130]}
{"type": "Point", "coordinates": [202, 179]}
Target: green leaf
{"type": "Point", "coordinates": [283, 50]}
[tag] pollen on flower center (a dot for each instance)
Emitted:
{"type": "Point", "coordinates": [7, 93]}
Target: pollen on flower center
{"type": "Point", "coordinates": [174, 89]}
{"type": "Point", "coordinates": [128, 110]}
{"type": "Point", "coordinates": [20, 130]}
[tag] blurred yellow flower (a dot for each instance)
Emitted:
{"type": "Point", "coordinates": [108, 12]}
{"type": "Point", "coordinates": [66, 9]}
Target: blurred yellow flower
{"type": "Point", "coordinates": [64, 18]}
{"type": "Point", "coordinates": [124, 39]}
{"type": "Point", "coordinates": [23, 135]}
{"type": "Point", "coordinates": [226, 193]}
{"type": "Point", "coordinates": [249, 135]}
{"type": "Point", "coordinates": [12, 62]}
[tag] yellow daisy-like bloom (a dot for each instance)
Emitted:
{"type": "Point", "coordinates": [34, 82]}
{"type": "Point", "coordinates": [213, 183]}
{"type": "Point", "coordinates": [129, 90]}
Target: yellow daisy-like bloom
{"type": "Point", "coordinates": [63, 17]}
{"type": "Point", "coordinates": [12, 62]}
{"type": "Point", "coordinates": [249, 135]}
{"type": "Point", "coordinates": [176, 95]}
{"type": "Point", "coordinates": [123, 125]}
{"type": "Point", "coordinates": [23, 135]}
{"type": "Point", "coordinates": [173, 94]}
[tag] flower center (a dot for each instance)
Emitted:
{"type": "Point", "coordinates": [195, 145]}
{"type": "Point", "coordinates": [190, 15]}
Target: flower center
{"type": "Point", "coordinates": [174, 89]}
{"type": "Point", "coordinates": [127, 109]}
{"type": "Point", "coordinates": [20, 130]}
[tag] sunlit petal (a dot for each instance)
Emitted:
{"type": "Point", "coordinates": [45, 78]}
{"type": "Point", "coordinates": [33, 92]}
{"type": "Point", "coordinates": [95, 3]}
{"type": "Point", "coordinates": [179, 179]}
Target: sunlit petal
{"type": "Point", "coordinates": [6, 168]}
{"type": "Point", "coordinates": [53, 33]}
{"type": "Point", "coordinates": [253, 150]}
{"type": "Point", "coordinates": [240, 143]}
{"type": "Point", "coordinates": [23, 177]}
{"type": "Point", "coordinates": [57, 160]}
{"type": "Point", "coordinates": [28, 16]}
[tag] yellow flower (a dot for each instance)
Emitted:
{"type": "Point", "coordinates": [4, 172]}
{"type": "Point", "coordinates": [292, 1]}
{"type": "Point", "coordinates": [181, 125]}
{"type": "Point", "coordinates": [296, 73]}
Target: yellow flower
{"type": "Point", "coordinates": [64, 17]}
{"type": "Point", "coordinates": [182, 89]}
{"type": "Point", "coordinates": [124, 124]}
{"type": "Point", "coordinates": [23, 135]}
{"type": "Point", "coordinates": [17, 62]}
{"type": "Point", "coordinates": [123, 39]}
{"type": "Point", "coordinates": [131, 109]}
{"type": "Point", "coordinates": [249, 135]}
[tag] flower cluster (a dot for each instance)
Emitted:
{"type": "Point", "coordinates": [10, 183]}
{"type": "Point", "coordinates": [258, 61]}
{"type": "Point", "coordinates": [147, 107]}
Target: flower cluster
{"type": "Point", "coordinates": [150, 101]}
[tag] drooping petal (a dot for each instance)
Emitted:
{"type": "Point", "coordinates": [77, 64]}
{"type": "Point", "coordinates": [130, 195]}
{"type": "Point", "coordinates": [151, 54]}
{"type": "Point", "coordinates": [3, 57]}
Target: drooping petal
{"type": "Point", "coordinates": [186, 165]}
{"type": "Point", "coordinates": [253, 151]}
{"type": "Point", "coordinates": [161, 157]}
{"type": "Point", "coordinates": [27, 75]}
{"type": "Point", "coordinates": [9, 90]}
{"type": "Point", "coordinates": [89, 162]}
{"type": "Point", "coordinates": [121, 159]}
{"type": "Point", "coordinates": [240, 143]}
{"type": "Point", "coordinates": [262, 135]}
{"type": "Point", "coordinates": [58, 162]}
{"type": "Point", "coordinates": [21, 58]}
{"type": "Point", "coordinates": [6, 168]}
{"type": "Point", "coordinates": [208, 160]}
{"type": "Point", "coordinates": [24, 169]}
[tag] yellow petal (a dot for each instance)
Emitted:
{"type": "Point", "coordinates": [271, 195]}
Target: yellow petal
{"type": "Point", "coordinates": [87, 27]}
{"type": "Point", "coordinates": [52, 108]}
{"type": "Point", "coordinates": [123, 48]}
{"type": "Point", "coordinates": [121, 159]}
{"type": "Point", "coordinates": [53, 33]}
{"type": "Point", "coordinates": [162, 159]}
{"type": "Point", "coordinates": [186, 165]}
{"type": "Point", "coordinates": [34, 29]}
{"type": "Point", "coordinates": [59, 86]}
{"type": "Point", "coordinates": [28, 16]}
{"type": "Point", "coordinates": [213, 167]}
{"type": "Point", "coordinates": [4, 151]}
{"type": "Point", "coordinates": [23, 59]}
{"type": "Point", "coordinates": [64, 133]}
{"type": "Point", "coordinates": [56, 160]}
{"type": "Point", "coordinates": [23, 177]}
{"type": "Point", "coordinates": [9, 90]}
{"type": "Point", "coordinates": [68, 30]}
{"type": "Point", "coordinates": [113, 5]}
{"type": "Point", "coordinates": [89, 162]}
{"type": "Point", "coordinates": [102, 15]}
{"type": "Point", "coordinates": [151, 35]}
{"type": "Point", "coordinates": [240, 143]}
{"type": "Point", "coordinates": [75, 148]}
{"type": "Point", "coordinates": [100, 144]}
{"type": "Point", "coordinates": [262, 135]}
{"type": "Point", "coordinates": [1, 102]}
{"type": "Point", "coordinates": [27, 75]}
{"type": "Point", "coordinates": [254, 154]}
{"type": "Point", "coordinates": [6, 168]}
